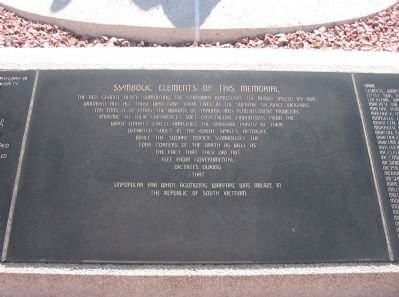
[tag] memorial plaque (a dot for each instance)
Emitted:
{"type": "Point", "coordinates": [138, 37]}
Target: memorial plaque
{"type": "Point", "coordinates": [380, 94]}
{"type": "Point", "coordinates": [15, 95]}
{"type": "Point", "coordinates": [197, 167]}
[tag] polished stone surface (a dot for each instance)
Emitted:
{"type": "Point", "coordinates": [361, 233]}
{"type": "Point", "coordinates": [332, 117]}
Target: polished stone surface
{"type": "Point", "coordinates": [379, 96]}
{"type": "Point", "coordinates": [15, 94]}
{"type": "Point", "coordinates": [96, 190]}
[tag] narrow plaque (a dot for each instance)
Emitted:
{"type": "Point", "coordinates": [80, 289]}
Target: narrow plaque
{"type": "Point", "coordinates": [380, 95]}
{"type": "Point", "coordinates": [15, 95]}
{"type": "Point", "coordinates": [196, 167]}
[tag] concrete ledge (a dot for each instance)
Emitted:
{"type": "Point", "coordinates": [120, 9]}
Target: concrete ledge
{"type": "Point", "coordinates": [107, 280]}
{"type": "Point", "coordinates": [165, 21]}
{"type": "Point", "coordinates": [199, 59]}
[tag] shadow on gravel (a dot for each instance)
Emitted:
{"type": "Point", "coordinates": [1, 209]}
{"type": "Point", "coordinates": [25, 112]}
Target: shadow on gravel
{"type": "Point", "coordinates": [180, 13]}
{"type": "Point", "coordinates": [58, 5]}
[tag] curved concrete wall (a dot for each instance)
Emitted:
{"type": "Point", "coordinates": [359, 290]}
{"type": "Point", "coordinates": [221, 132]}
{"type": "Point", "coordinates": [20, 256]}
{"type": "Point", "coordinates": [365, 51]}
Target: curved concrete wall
{"type": "Point", "coordinates": [165, 21]}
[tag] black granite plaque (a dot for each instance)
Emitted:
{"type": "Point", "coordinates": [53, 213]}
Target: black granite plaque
{"type": "Point", "coordinates": [380, 99]}
{"type": "Point", "coordinates": [196, 167]}
{"type": "Point", "coordinates": [15, 94]}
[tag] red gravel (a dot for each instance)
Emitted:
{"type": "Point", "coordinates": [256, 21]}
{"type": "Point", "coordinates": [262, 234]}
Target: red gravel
{"type": "Point", "coordinates": [380, 32]}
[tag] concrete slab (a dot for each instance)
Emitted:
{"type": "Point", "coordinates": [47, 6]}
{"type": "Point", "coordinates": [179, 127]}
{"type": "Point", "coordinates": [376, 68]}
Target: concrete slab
{"type": "Point", "coordinates": [187, 20]}
{"type": "Point", "coordinates": [198, 281]}
{"type": "Point", "coordinates": [45, 280]}
{"type": "Point", "coordinates": [199, 59]}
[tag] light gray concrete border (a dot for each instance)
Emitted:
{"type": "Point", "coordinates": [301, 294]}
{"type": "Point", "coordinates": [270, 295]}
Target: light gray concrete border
{"type": "Point", "coordinates": [197, 281]}
{"type": "Point", "coordinates": [189, 20]}
{"type": "Point", "coordinates": [42, 280]}
{"type": "Point", "coordinates": [200, 59]}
